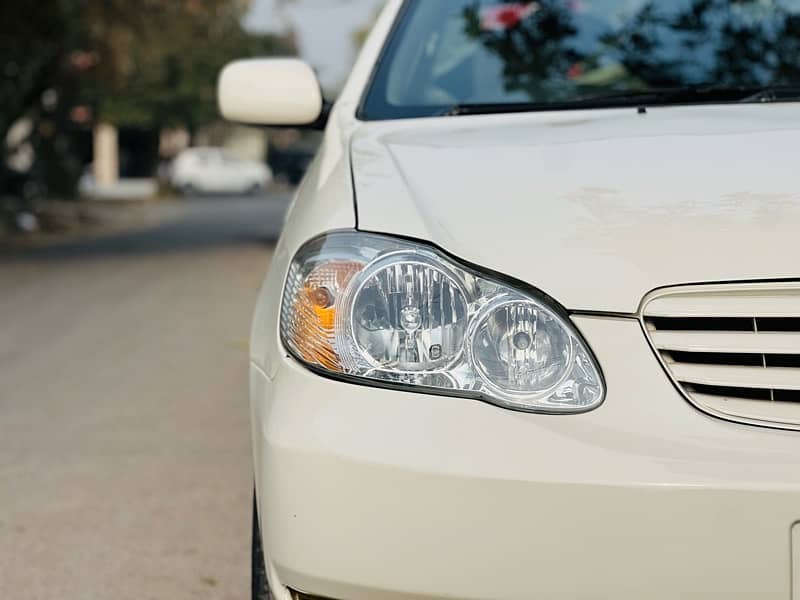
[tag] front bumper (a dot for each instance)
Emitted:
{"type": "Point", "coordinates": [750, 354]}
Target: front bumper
{"type": "Point", "coordinates": [376, 494]}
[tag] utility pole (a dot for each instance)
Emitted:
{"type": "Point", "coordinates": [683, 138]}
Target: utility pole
{"type": "Point", "coordinates": [106, 155]}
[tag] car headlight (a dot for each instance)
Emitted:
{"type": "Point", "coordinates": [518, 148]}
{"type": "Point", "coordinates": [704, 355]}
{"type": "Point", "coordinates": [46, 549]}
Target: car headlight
{"type": "Point", "coordinates": [390, 312]}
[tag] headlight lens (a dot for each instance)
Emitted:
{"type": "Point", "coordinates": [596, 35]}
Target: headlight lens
{"type": "Point", "coordinates": [399, 313]}
{"type": "Point", "coordinates": [408, 315]}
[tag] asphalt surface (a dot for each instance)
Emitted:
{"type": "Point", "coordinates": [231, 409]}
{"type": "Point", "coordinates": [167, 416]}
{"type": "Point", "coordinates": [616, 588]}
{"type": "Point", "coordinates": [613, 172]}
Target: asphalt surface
{"type": "Point", "coordinates": [125, 468]}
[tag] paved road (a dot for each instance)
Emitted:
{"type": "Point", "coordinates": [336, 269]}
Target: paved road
{"type": "Point", "coordinates": [125, 467]}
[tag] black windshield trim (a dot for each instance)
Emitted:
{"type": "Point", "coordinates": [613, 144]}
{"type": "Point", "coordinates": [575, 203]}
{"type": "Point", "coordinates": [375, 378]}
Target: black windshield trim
{"type": "Point", "coordinates": [441, 112]}
{"type": "Point", "coordinates": [679, 96]}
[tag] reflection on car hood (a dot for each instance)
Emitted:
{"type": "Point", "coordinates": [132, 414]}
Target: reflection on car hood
{"type": "Point", "coordinates": [595, 208]}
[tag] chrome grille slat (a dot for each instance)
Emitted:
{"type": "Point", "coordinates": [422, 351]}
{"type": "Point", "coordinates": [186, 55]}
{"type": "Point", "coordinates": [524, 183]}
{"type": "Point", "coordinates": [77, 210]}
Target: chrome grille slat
{"type": "Point", "coordinates": [779, 412]}
{"type": "Point", "coordinates": [778, 378]}
{"type": "Point", "coordinates": [747, 302]}
{"type": "Point", "coordinates": [733, 350]}
{"type": "Point", "coordinates": [728, 342]}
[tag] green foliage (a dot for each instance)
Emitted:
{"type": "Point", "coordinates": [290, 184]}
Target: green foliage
{"type": "Point", "coordinates": [170, 66]}
{"type": "Point", "coordinates": [67, 64]}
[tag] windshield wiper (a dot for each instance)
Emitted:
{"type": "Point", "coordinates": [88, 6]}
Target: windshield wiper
{"type": "Point", "coordinates": [489, 108]}
{"type": "Point", "coordinates": [617, 99]}
{"type": "Point", "coordinates": [774, 93]}
{"type": "Point", "coordinates": [638, 98]}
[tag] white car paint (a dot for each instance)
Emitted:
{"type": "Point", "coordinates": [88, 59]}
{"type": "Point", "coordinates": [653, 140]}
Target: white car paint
{"type": "Point", "coordinates": [368, 493]}
{"type": "Point", "coordinates": [598, 190]}
{"type": "Point", "coordinates": [287, 87]}
{"type": "Point", "coordinates": [215, 170]}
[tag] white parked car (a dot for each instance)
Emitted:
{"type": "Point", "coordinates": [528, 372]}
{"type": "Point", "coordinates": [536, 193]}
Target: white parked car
{"type": "Point", "coordinates": [532, 329]}
{"type": "Point", "coordinates": [216, 170]}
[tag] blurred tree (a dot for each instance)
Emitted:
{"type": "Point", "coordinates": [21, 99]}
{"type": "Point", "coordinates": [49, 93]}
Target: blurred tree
{"type": "Point", "coordinates": [748, 43]}
{"type": "Point", "coordinates": [536, 52]}
{"type": "Point", "coordinates": [142, 63]}
{"type": "Point", "coordinates": [35, 78]}
{"type": "Point", "coordinates": [559, 52]}
{"type": "Point", "coordinates": [165, 59]}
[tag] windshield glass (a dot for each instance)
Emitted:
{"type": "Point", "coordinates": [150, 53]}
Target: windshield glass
{"type": "Point", "coordinates": [553, 54]}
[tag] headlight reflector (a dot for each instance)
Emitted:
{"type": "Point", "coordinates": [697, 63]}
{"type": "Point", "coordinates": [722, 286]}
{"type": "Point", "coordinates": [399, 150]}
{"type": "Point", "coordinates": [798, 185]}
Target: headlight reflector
{"type": "Point", "coordinates": [408, 314]}
{"type": "Point", "coordinates": [399, 313]}
{"type": "Point", "coordinates": [521, 348]}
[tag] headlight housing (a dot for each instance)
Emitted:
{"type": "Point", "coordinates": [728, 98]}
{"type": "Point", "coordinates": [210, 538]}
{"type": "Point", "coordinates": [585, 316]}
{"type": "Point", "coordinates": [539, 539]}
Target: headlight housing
{"type": "Point", "coordinates": [390, 312]}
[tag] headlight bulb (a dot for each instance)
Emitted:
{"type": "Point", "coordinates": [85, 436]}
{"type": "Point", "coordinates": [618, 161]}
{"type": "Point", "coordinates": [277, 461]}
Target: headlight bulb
{"type": "Point", "coordinates": [409, 315]}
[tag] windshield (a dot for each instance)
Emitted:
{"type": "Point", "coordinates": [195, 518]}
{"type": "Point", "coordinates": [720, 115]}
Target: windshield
{"type": "Point", "coordinates": [553, 54]}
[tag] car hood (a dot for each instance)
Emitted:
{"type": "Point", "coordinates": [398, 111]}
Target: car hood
{"type": "Point", "coordinates": [595, 208]}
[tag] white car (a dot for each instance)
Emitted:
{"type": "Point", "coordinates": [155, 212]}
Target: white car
{"type": "Point", "coordinates": [532, 330]}
{"type": "Point", "coordinates": [216, 170]}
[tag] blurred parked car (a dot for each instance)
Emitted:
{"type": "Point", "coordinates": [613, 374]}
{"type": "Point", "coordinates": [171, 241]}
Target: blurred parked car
{"type": "Point", "coordinates": [215, 170]}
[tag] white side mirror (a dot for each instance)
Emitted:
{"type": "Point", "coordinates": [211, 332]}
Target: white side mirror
{"type": "Point", "coordinates": [270, 91]}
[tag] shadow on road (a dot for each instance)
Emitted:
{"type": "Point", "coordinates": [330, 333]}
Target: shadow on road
{"type": "Point", "coordinates": [198, 224]}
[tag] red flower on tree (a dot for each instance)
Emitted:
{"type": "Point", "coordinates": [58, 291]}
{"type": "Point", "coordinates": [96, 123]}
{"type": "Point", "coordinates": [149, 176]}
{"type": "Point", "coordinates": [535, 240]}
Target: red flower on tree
{"type": "Point", "coordinates": [575, 71]}
{"type": "Point", "coordinates": [506, 16]}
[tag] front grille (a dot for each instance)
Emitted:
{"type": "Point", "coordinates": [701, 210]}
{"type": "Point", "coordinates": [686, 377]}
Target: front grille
{"type": "Point", "coordinates": [733, 350]}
